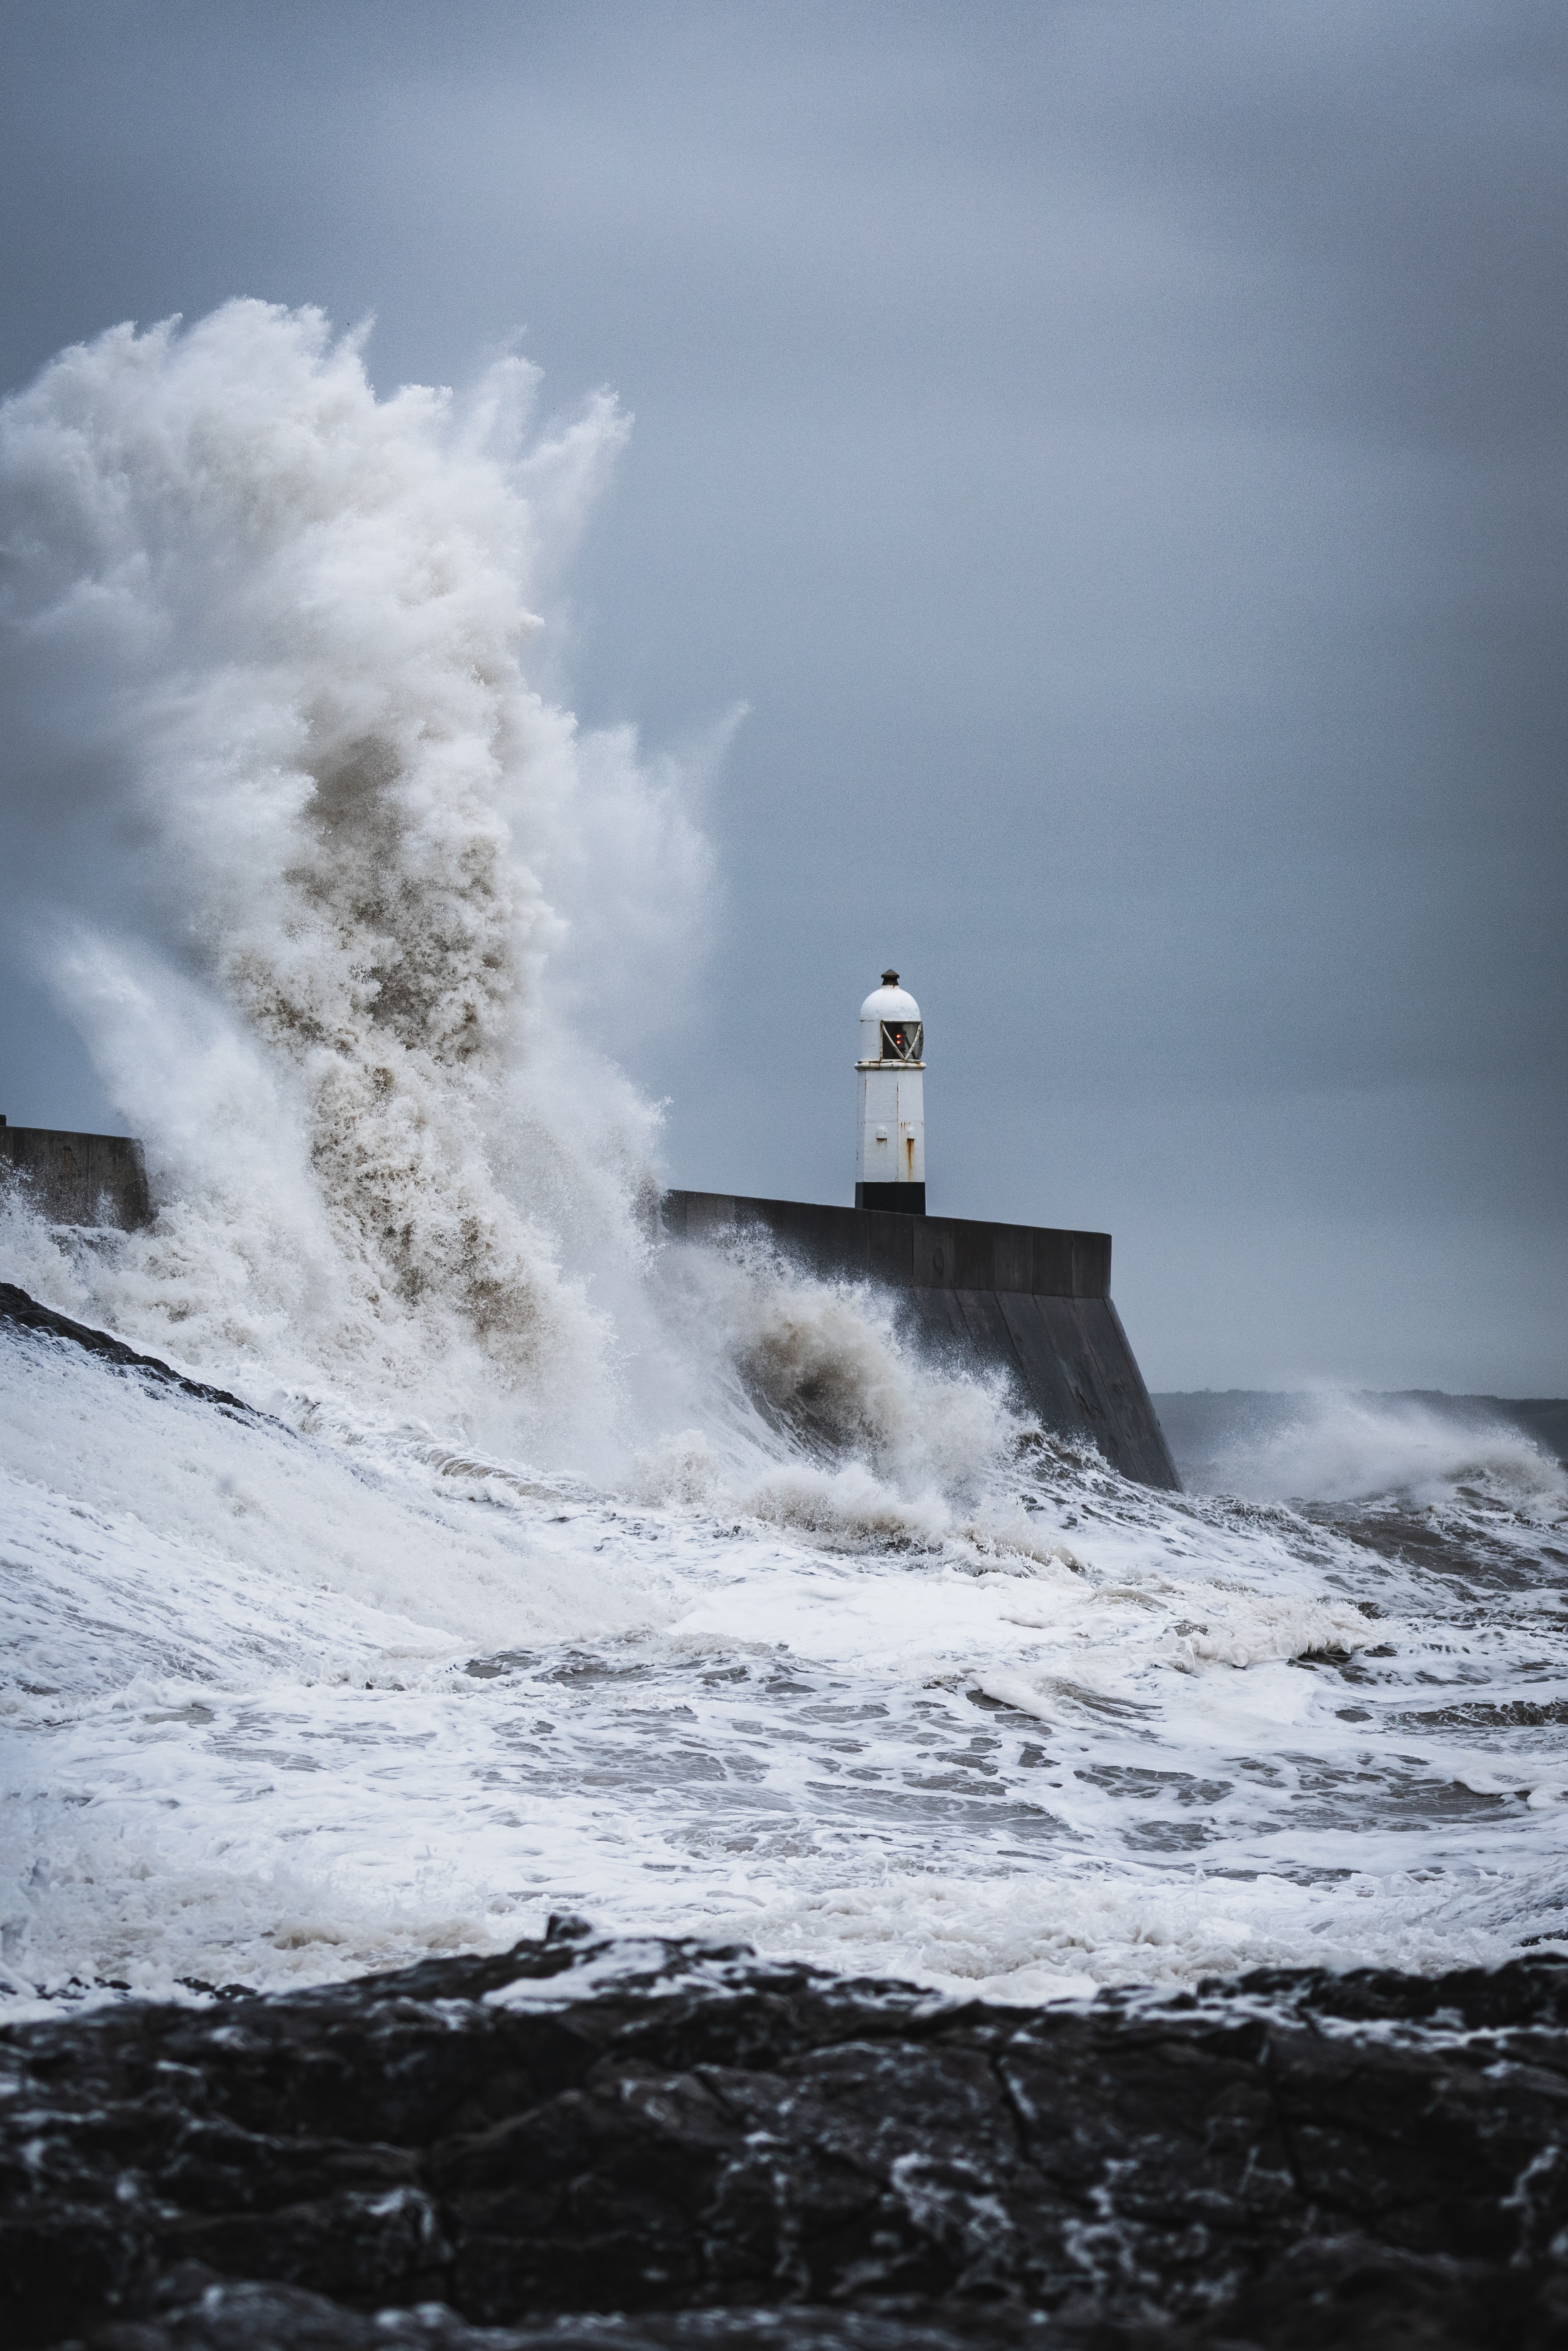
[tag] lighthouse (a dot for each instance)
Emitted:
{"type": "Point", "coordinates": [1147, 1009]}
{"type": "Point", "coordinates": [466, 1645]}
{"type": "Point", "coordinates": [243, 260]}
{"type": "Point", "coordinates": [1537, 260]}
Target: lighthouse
{"type": "Point", "coordinates": [1027, 1302]}
{"type": "Point", "coordinates": [890, 1154]}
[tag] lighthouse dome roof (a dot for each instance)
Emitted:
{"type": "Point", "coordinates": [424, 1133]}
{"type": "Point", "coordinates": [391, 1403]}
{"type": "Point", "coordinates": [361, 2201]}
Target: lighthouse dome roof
{"type": "Point", "coordinates": [889, 1002]}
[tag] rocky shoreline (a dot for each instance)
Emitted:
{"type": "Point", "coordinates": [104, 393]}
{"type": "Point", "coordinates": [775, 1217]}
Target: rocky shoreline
{"type": "Point", "coordinates": [601, 2143]}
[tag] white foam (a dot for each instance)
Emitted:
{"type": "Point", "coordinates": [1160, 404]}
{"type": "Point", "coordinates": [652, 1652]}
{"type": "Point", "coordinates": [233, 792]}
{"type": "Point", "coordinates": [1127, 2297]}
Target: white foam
{"type": "Point", "coordinates": [1340, 1446]}
{"type": "Point", "coordinates": [244, 1738]}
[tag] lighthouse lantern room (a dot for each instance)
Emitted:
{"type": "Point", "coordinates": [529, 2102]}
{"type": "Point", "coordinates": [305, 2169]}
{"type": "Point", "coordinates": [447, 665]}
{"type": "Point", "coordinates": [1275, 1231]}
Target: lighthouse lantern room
{"type": "Point", "coordinates": [890, 1156]}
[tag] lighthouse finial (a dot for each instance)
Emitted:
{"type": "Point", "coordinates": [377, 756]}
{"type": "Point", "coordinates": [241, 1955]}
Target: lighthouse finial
{"type": "Point", "coordinates": [890, 979]}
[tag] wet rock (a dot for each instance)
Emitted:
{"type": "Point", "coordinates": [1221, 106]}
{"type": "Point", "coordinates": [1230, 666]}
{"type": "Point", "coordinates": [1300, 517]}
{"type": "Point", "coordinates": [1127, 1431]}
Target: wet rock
{"type": "Point", "coordinates": [671, 2143]}
{"type": "Point", "coordinates": [22, 1313]}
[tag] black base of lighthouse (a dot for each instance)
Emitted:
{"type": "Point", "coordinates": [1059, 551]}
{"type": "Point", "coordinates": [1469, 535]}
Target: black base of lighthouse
{"type": "Point", "coordinates": [905, 1199]}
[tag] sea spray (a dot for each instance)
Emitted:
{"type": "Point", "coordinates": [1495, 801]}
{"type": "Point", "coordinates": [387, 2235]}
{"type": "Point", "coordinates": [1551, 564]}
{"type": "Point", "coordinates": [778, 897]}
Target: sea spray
{"type": "Point", "coordinates": [297, 841]}
{"type": "Point", "coordinates": [1336, 1445]}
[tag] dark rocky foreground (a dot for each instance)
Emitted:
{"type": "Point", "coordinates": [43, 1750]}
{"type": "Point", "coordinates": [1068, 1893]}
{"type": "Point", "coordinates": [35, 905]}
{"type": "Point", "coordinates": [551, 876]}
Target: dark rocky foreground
{"type": "Point", "coordinates": [703, 2149]}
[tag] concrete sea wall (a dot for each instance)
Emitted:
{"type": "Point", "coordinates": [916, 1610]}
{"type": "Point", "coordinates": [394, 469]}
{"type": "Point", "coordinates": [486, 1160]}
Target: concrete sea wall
{"type": "Point", "coordinates": [1032, 1299]}
{"type": "Point", "coordinates": [77, 1179]}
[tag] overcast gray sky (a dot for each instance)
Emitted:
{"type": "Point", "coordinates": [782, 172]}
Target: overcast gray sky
{"type": "Point", "coordinates": [1115, 450]}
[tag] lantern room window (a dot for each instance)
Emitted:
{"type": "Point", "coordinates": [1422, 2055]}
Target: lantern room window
{"type": "Point", "coordinates": [902, 1039]}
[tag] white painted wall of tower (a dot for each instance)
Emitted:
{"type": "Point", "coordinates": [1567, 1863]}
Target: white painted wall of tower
{"type": "Point", "coordinates": [891, 1135]}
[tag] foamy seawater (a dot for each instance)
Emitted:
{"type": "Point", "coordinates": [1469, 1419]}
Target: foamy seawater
{"type": "Point", "coordinates": [555, 1569]}
{"type": "Point", "coordinates": [286, 1704]}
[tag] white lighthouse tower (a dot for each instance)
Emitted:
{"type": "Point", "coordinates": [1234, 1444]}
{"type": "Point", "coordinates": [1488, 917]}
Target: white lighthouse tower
{"type": "Point", "coordinates": [889, 1157]}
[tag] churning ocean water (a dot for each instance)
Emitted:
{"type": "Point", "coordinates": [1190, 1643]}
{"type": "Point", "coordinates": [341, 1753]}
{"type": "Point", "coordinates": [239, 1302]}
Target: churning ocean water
{"type": "Point", "coordinates": [554, 1568]}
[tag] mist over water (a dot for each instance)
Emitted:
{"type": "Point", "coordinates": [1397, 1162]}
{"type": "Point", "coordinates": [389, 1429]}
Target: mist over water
{"type": "Point", "coordinates": [1333, 1444]}
{"type": "Point", "coordinates": [562, 1568]}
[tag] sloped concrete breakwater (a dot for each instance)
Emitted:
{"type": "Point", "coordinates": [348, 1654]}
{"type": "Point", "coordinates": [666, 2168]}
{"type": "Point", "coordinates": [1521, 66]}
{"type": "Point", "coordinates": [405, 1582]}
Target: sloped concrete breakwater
{"type": "Point", "coordinates": [726, 2150]}
{"type": "Point", "coordinates": [1031, 1300]}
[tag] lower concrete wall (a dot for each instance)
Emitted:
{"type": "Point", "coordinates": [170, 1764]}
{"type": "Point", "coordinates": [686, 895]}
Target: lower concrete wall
{"type": "Point", "coordinates": [77, 1179]}
{"type": "Point", "coordinates": [1034, 1301]}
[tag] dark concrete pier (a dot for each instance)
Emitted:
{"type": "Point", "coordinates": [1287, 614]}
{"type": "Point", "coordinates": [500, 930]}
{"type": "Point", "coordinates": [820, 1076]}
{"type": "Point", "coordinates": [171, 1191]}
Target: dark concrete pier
{"type": "Point", "coordinates": [1032, 1299]}
{"type": "Point", "coordinates": [77, 1179]}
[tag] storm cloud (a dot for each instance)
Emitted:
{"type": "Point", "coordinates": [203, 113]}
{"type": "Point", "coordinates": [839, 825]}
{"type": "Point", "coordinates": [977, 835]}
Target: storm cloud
{"type": "Point", "coordinates": [1114, 452]}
